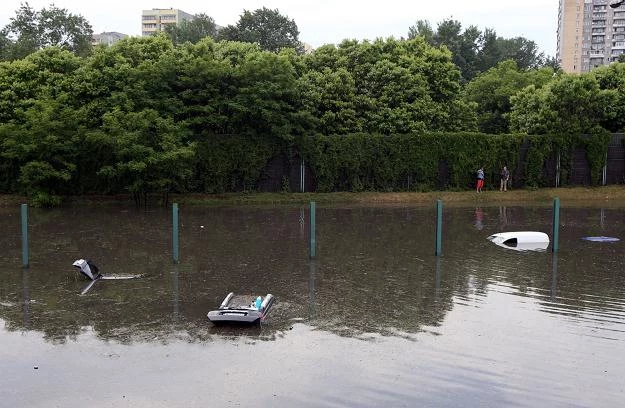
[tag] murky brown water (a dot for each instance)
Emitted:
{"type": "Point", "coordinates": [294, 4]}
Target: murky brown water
{"type": "Point", "coordinates": [374, 320]}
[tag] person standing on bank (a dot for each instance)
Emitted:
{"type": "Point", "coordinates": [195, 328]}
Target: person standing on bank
{"type": "Point", "coordinates": [480, 179]}
{"type": "Point", "coordinates": [505, 176]}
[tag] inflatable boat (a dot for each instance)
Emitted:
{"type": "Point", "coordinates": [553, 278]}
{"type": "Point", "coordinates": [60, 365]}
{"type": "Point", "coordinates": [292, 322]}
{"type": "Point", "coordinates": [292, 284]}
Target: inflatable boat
{"type": "Point", "coordinates": [521, 240]}
{"type": "Point", "coordinates": [242, 309]}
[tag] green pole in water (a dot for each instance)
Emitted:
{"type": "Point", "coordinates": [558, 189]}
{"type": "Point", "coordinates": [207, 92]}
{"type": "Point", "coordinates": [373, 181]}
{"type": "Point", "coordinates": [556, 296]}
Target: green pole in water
{"type": "Point", "coordinates": [556, 223]}
{"type": "Point", "coordinates": [313, 237]}
{"type": "Point", "coordinates": [439, 227]}
{"type": "Point", "coordinates": [175, 231]}
{"type": "Point", "coordinates": [25, 235]}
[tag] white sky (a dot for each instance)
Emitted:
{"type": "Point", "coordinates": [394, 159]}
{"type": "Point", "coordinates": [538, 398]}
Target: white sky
{"type": "Point", "coordinates": [331, 21]}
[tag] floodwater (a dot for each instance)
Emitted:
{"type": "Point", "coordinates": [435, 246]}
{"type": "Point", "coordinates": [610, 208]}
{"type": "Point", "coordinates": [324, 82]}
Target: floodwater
{"type": "Point", "coordinates": [374, 320]}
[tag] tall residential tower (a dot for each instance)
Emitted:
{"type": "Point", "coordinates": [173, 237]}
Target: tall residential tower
{"type": "Point", "coordinates": [590, 34]}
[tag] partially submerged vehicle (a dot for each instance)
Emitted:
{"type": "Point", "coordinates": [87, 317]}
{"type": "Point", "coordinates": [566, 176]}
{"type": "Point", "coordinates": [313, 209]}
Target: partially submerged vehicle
{"type": "Point", "coordinates": [89, 270]}
{"type": "Point", "coordinates": [242, 309]}
{"type": "Point", "coordinates": [521, 240]}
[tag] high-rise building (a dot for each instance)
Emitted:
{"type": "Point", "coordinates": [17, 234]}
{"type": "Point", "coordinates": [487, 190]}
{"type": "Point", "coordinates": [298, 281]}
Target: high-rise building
{"type": "Point", "coordinates": [590, 34]}
{"type": "Point", "coordinates": [155, 20]}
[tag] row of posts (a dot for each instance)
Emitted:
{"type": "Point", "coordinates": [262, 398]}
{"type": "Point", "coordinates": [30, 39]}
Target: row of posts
{"type": "Point", "coordinates": [313, 238]}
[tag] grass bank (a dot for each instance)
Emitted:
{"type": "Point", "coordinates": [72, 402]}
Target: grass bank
{"type": "Point", "coordinates": [612, 196]}
{"type": "Point", "coordinates": [609, 196]}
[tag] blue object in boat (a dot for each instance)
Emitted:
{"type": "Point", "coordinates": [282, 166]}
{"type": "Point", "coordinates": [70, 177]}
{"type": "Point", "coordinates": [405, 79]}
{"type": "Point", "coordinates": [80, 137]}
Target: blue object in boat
{"type": "Point", "coordinates": [601, 239]}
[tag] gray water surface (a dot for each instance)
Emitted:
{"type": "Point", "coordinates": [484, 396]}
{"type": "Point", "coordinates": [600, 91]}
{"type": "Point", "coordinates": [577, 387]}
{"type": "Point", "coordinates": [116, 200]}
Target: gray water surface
{"type": "Point", "coordinates": [374, 320]}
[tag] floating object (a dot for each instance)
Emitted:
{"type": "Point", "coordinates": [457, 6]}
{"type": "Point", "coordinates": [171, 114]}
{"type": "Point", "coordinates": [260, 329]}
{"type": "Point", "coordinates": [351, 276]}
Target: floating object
{"type": "Point", "coordinates": [86, 267]}
{"type": "Point", "coordinates": [521, 240]}
{"type": "Point", "coordinates": [91, 271]}
{"type": "Point", "coordinates": [601, 239]}
{"type": "Point", "coordinates": [242, 309]}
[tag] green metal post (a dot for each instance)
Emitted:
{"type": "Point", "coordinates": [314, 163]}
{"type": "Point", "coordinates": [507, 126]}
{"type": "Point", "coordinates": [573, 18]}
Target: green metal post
{"type": "Point", "coordinates": [556, 224]}
{"type": "Point", "coordinates": [313, 236]}
{"type": "Point", "coordinates": [175, 231]}
{"type": "Point", "coordinates": [439, 227]}
{"type": "Point", "coordinates": [25, 235]}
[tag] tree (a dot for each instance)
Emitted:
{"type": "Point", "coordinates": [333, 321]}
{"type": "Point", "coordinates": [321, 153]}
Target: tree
{"type": "Point", "coordinates": [553, 63]}
{"type": "Point", "coordinates": [268, 28]}
{"type": "Point", "coordinates": [568, 105]}
{"type": "Point", "coordinates": [491, 92]}
{"type": "Point", "coordinates": [32, 30]}
{"type": "Point", "coordinates": [387, 86]}
{"type": "Point", "coordinates": [611, 80]}
{"type": "Point", "coordinates": [192, 31]}
{"type": "Point", "coordinates": [474, 51]}
{"type": "Point", "coordinates": [523, 51]}
{"type": "Point", "coordinates": [462, 44]}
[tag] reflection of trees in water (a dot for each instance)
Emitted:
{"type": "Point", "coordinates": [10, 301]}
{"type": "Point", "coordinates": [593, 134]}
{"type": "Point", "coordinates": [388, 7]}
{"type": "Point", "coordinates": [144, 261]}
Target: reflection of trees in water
{"type": "Point", "coordinates": [375, 271]}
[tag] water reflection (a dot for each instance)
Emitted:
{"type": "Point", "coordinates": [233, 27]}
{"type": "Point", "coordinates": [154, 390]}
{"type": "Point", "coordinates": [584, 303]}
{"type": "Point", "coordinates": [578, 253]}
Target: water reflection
{"type": "Point", "coordinates": [374, 272]}
{"type": "Point", "coordinates": [371, 316]}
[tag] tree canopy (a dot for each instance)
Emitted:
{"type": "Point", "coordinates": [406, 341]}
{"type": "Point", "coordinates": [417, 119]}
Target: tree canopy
{"type": "Point", "coordinates": [32, 30]}
{"type": "Point", "coordinates": [492, 91]}
{"type": "Point", "coordinates": [268, 28]}
{"type": "Point", "coordinates": [192, 30]}
{"type": "Point", "coordinates": [476, 51]}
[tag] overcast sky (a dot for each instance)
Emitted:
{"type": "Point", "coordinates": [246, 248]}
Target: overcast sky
{"type": "Point", "coordinates": [331, 21]}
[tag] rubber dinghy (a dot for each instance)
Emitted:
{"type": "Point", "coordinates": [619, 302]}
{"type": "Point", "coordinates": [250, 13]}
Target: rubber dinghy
{"type": "Point", "coordinates": [521, 240]}
{"type": "Point", "coordinates": [242, 309]}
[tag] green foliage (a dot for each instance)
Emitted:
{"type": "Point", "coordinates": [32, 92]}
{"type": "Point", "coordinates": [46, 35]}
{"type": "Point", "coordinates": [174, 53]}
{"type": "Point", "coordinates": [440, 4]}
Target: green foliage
{"type": "Point", "coordinates": [359, 162]}
{"type": "Point", "coordinates": [540, 148]}
{"type": "Point", "coordinates": [146, 116]}
{"type": "Point", "coordinates": [226, 163]}
{"type": "Point", "coordinates": [192, 31]}
{"type": "Point", "coordinates": [265, 27]}
{"type": "Point", "coordinates": [492, 91]}
{"type": "Point", "coordinates": [611, 80]}
{"type": "Point", "coordinates": [31, 30]}
{"type": "Point", "coordinates": [474, 51]}
{"type": "Point", "coordinates": [569, 104]}
{"type": "Point", "coordinates": [387, 86]}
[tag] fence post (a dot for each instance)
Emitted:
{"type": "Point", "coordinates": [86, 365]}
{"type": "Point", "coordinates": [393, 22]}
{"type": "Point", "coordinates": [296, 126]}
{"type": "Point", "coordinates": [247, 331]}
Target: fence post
{"type": "Point", "coordinates": [439, 227]}
{"type": "Point", "coordinates": [175, 232]}
{"type": "Point", "coordinates": [313, 237]}
{"type": "Point", "coordinates": [556, 223]}
{"type": "Point", "coordinates": [24, 211]}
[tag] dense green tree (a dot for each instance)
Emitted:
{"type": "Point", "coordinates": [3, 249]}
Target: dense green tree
{"type": "Point", "coordinates": [491, 92]}
{"type": "Point", "coordinates": [39, 151]}
{"type": "Point", "coordinates": [570, 104]}
{"type": "Point", "coordinates": [32, 30]}
{"type": "Point", "coordinates": [192, 31]}
{"type": "Point", "coordinates": [149, 152]}
{"type": "Point", "coordinates": [462, 44]}
{"type": "Point", "coordinates": [265, 27]}
{"type": "Point", "coordinates": [236, 88]}
{"type": "Point", "coordinates": [44, 74]}
{"type": "Point", "coordinates": [611, 80]}
{"type": "Point", "coordinates": [388, 86]}
{"type": "Point", "coordinates": [552, 62]}
{"type": "Point", "coordinates": [474, 51]}
{"type": "Point", "coordinates": [522, 51]}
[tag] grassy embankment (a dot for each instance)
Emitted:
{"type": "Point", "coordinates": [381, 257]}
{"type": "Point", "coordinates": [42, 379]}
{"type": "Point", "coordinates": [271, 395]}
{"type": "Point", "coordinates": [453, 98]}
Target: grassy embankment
{"type": "Point", "coordinates": [609, 196]}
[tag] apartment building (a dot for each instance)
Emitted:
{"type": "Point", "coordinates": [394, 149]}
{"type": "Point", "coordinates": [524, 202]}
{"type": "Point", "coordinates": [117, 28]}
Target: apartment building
{"type": "Point", "coordinates": [107, 38]}
{"type": "Point", "coordinates": [590, 34]}
{"type": "Point", "coordinates": [155, 20]}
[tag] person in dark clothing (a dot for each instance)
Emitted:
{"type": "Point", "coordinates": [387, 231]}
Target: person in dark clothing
{"type": "Point", "coordinates": [505, 176]}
